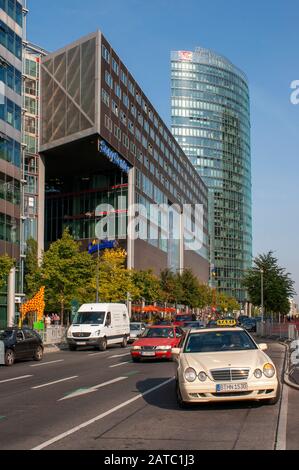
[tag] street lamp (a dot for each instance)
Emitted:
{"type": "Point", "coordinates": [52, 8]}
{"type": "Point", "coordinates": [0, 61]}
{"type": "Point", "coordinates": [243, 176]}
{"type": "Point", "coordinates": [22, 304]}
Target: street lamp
{"type": "Point", "coordinates": [262, 294]}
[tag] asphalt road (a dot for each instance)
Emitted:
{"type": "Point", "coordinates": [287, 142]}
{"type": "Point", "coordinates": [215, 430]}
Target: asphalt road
{"type": "Point", "coordinates": [101, 400]}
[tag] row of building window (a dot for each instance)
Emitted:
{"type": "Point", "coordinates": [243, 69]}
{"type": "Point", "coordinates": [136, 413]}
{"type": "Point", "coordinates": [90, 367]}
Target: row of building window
{"type": "Point", "coordinates": [142, 139]}
{"type": "Point", "coordinates": [122, 137]}
{"type": "Point", "coordinates": [10, 40]}
{"type": "Point", "coordinates": [10, 151]}
{"type": "Point", "coordinates": [31, 68]}
{"type": "Point", "coordinates": [11, 77]}
{"type": "Point", "coordinates": [14, 9]}
{"type": "Point", "coordinates": [10, 112]}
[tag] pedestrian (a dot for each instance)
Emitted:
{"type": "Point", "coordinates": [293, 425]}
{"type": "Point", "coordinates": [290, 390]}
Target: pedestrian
{"type": "Point", "coordinates": [48, 321]}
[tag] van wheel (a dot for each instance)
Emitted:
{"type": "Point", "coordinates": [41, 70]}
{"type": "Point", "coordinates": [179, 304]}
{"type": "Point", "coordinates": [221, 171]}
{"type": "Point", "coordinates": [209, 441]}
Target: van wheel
{"type": "Point", "coordinates": [103, 344]}
{"type": "Point", "coordinates": [9, 358]}
{"type": "Point", "coordinates": [124, 343]}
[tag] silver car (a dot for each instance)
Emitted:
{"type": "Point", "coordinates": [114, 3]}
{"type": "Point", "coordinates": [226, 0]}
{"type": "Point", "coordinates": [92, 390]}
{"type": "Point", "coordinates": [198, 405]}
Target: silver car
{"type": "Point", "coordinates": [136, 330]}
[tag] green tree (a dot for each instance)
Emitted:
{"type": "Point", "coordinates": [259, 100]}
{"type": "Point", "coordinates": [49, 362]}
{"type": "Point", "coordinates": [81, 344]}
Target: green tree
{"type": "Point", "coordinates": [226, 303]}
{"type": "Point", "coordinates": [6, 263]}
{"type": "Point", "coordinates": [32, 271]}
{"type": "Point", "coordinates": [191, 294]}
{"type": "Point", "coordinates": [148, 285]}
{"type": "Point", "coordinates": [278, 285]}
{"type": "Point", "coordinates": [67, 273]}
{"type": "Point", "coordinates": [115, 281]}
{"type": "Point", "coordinates": [171, 288]}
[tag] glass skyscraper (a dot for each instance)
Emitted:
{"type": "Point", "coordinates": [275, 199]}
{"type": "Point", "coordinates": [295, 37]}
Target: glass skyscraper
{"type": "Point", "coordinates": [211, 121]}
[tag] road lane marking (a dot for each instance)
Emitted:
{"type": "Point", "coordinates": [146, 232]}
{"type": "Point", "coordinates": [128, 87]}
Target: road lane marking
{"type": "Point", "coordinates": [46, 363]}
{"type": "Point", "coordinates": [56, 382]}
{"type": "Point", "coordinates": [120, 364]}
{"type": "Point", "coordinates": [119, 355]}
{"type": "Point", "coordinates": [101, 416]}
{"type": "Point", "coordinates": [85, 391]}
{"type": "Point", "coordinates": [16, 378]}
{"type": "Point", "coordinates": [281, 440]}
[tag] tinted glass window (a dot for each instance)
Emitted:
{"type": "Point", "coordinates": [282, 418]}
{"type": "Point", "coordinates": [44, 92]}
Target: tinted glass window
{"type": "Point", "coordinates": [5, 334]}
{"type": "Point", "coordinates": [20, 336]}
{"type": "Point", "coordinates": [159, 333]}
{"type": "Point", "coordinates": [29, 334]}
{"type": "Point", "coordinates": [89, 318]}
{"type": "Point", "coordinates": [216, 341]}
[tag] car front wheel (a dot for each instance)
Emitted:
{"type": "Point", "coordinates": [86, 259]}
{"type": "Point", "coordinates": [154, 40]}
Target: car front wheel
{"type": "Point", "coordinates": [102, 344]}
{"type": "Point", "coordinates": [38, 355]}
{"type": "Point", "coordinates": [274, 400]}
{"type": "Point", "coordinates": [124, 343]}
{"type": "Point", "coordinates": [181, 402]}
{"type": "Point", "coordinates": [9, 358]}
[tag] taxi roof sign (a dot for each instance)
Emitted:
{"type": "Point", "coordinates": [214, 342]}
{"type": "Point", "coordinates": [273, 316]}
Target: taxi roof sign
{"type": "Point", "coordinates": [227, 322]}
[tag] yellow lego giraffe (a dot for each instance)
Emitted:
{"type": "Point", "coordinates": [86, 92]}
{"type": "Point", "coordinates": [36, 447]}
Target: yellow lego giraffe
{"type": "Point", "coordinates": [35, 305]}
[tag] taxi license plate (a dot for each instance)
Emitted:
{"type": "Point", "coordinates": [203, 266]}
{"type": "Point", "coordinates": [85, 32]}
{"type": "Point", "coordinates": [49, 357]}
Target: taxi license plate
{"type": "Point", "coordinates": [224, 388]}
{"type": "Point", "coordinates": [81, 343]}
{"type": "Point", "coordinates": [147, 354]}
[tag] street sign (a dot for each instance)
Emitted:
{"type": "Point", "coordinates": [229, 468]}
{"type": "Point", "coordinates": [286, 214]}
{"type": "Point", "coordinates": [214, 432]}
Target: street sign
{"type": "Point", "coordinates": [2, 353]}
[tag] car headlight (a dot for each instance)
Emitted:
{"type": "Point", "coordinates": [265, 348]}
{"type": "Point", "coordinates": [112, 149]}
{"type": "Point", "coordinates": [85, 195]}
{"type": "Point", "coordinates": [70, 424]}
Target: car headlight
{"type": "Point", "coordinates": [190, 374]}
{"type": "Point", "coordinates": [136, 348]}
{"type": "Point", "coordinates": [69, 334]}
{"type": "Point", "coordinates": [165, 348]}
{"type": "Point", "coordinates": [202, 376]}
{"type": "Point", "coordinates": [258, 373]}
{"type": "Point", "coordinates": [269, 371]}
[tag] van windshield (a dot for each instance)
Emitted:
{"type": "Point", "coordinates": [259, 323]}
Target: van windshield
{"type": "Point", "coordinates": [89, 318]}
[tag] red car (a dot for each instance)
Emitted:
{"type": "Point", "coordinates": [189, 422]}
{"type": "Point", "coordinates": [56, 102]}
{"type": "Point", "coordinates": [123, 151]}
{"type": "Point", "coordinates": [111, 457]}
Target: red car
{"type": "Point", "coordinates": [157, 343]}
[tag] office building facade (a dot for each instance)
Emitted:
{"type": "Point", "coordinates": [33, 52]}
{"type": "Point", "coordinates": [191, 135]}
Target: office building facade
{"type": "Point", "coordinates": [104, 143]}
{"type": "Point", "coordinates": [211, 122]}
{"type": "Point", "coordinates": [11, 36]}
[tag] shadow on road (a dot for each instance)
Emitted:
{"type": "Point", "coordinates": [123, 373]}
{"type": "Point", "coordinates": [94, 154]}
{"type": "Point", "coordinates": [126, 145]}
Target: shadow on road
{"type": "Point", "coordinates": [165, 398]}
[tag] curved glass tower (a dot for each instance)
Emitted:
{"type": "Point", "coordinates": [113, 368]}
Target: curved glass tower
{"type": "Point", "coordinates": [211, 122]}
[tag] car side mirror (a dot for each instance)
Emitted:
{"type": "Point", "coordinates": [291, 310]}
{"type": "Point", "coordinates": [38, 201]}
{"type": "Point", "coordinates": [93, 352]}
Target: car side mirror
{"type": "Point", "coordinates": [263, 346]}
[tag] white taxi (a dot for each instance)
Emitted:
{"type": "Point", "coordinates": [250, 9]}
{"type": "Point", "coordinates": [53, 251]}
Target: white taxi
{"type": "Point", "coordinates": [223, 364]}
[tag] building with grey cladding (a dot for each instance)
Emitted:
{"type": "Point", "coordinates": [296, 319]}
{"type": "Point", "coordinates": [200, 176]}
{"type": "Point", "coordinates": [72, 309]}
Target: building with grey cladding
{"type": "Point", "coordinates": [103, 142]}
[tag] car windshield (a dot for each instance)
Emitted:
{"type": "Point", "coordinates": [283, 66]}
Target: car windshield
{"type": "Point", "coordinates": [219, 341]}
{"type": "Point", "coordinates": [158, 333]}
{"type": "Point", "coordinates": [135, 326]}
{"type": "Point", "coordinates": [89, 318]}
{"type": "Point", "coordinates": [5, 334]}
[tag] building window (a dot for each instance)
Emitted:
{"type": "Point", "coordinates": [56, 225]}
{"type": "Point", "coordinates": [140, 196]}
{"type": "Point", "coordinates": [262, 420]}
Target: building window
{"type": "Point", "coordinates": [146, 126]}
{"type": "Point", "coordinates": [133, 110]}
{"type": "Point", "coordinates": [140, 118]}
{"type": "Point", "coordinates": [126, 141]}
{"type": "Point", "coordinates": [117, 90]}
{"type": "Point", "coordinates": [115, 108]}
{"type": "Point", "coordinates": [105, 97]}
{"type": "Point", "coordinates": [126, 100]}
{"type": "Point", "coordinates": [105, 54]}
{"type": "Point", "coordinates": [30, 87]}
{"type": "Point", "coordinates": [138, 98]}
{"type": "Point", "coordinates": [123, 78]}
{"type": "Point", "coordinates": [30, 125]}
{"type": "Point", "coordinates": [123, 118]}
{"type": "Point", "coordinates": [131, 127]}
{"type": "Point", "coordinates": [117, 132]}
{"type": "Point", "coordinates": [131, 88]}
{"type": "Point", "coordinates": [108, 123]}
{"type": "Point", "coordinates": [108, 79]}
{"type": "Point", "coordinates": [138, 134]}
{"type": "Point", "coordinates": [133, 149]}
{"type": "Point", "coordinates": [115, 67]}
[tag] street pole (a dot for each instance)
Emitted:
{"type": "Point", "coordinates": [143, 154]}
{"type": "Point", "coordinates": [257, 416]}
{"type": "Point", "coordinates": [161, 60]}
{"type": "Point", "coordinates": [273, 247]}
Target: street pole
{"type": "Point", "coordinates": [98, 268]}
{"type": "Point", "coordinates": [262, 294]}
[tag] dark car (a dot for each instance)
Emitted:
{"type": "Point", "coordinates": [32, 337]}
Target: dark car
{"type": "Point", "coordinates": [21, 343]}
{"type": "Point", "coordinates": [188, 325]}
{"type": "Point", "coordinates": [249, 324]}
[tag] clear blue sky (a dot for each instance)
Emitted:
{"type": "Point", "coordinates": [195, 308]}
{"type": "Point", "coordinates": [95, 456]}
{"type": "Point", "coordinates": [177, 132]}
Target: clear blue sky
{"type": "Point", "coordinates": [260, 37]}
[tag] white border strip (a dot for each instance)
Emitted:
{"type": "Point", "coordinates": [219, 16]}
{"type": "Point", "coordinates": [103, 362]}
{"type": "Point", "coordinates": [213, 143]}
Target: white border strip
{"type": "Point", "coordinates": [16, 378]}
{"type": "Point", "coordinates": [56, 382]}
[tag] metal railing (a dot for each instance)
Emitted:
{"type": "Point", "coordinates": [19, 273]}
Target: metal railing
{"type": "Point", "coordinates": [53, 334]}
{"type": "Point", "coordinates": [287, 331]}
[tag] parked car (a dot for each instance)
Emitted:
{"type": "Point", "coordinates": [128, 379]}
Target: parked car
{"type": "Point", "coordinates": [249, 324]}
{"type": "Point", "coordinates": [136, 330]}
{"type": "Point", "coordinates": [21, 343]}
{"type": "Point", "coordinates": [180, 319]}
{"type": "Point", "coordinates": [241, 318]}
{"type": "Point", "coordinates": [99, 325]}
{"type": "Point", "coordinates": [187, 325]}
{"type": "Point", "coordinates": [157, 343]}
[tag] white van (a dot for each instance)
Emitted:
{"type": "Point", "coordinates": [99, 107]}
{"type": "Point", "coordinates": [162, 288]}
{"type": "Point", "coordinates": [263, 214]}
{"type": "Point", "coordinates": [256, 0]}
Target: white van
{"type": "Point", "coordinates": [99, 325]}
